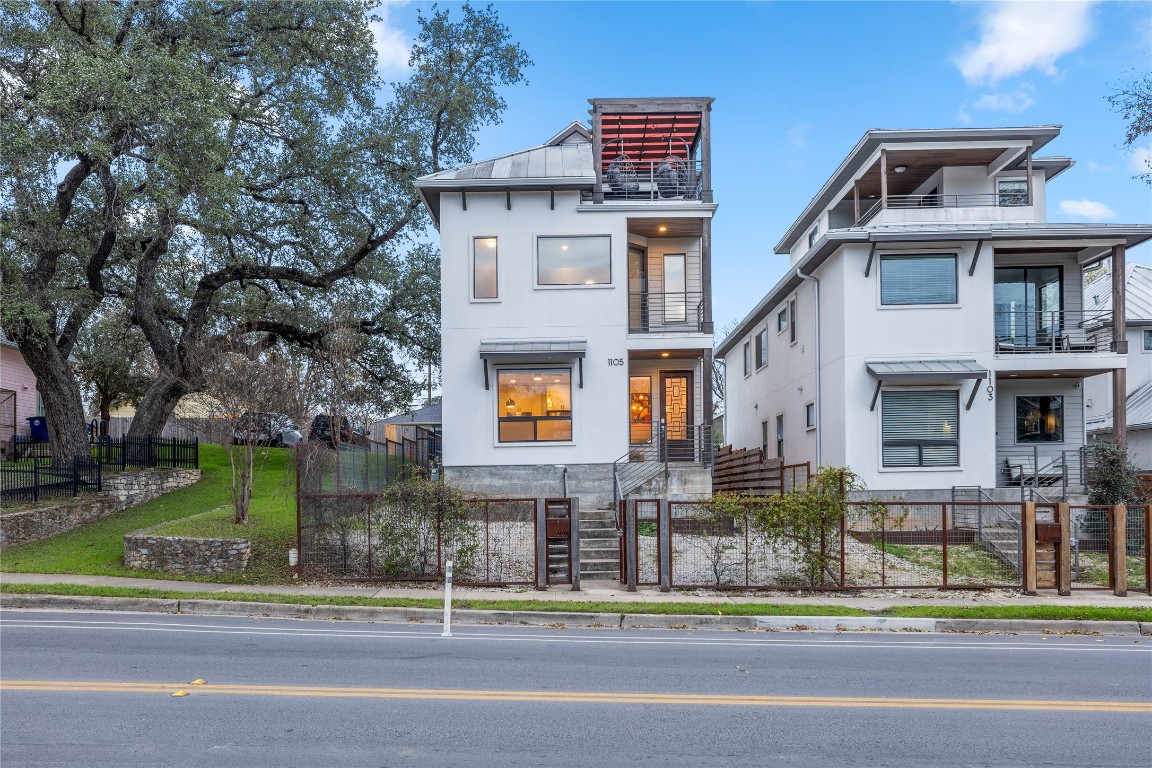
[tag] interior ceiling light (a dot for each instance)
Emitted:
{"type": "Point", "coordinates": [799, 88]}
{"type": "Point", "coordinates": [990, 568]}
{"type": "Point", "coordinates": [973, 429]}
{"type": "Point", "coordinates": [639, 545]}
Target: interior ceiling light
{"type": "Point", "coordinates": [663, 229]}
{"type": "Point", "coordinates": [900, 168]}
{"type": "Point", "coordinates": [663, 354]}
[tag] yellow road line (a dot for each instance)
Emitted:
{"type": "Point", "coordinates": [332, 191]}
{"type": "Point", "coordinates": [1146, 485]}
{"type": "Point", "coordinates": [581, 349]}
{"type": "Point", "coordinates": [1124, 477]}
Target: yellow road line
{"type": "Point", "coordinates": [55, 686]}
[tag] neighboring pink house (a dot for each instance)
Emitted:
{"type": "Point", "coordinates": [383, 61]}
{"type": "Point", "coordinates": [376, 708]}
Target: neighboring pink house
{"type": "Point", "coordinates": [18, 396]}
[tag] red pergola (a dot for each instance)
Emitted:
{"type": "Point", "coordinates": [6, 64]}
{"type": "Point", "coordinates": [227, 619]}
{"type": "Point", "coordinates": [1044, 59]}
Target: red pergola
{"type": "Point", "coordinates": [648, 137]}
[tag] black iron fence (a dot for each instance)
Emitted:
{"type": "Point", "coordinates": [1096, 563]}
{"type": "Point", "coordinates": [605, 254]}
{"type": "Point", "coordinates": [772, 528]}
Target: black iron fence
{"type": "Point", "coordinates": [39, 476]}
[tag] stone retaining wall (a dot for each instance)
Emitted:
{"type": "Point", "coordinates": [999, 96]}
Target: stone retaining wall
{"type": "Point", "coordinates": [120, 492]}
{"type": "Point", "coordinates": [184, 554]}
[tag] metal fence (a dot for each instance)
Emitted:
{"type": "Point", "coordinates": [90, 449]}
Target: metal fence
{"type": "Point", "coordinates": [874, 545]}
{"type": "Point", "coordinates": [37, 477]}
{"type": "Point", "coordinates": [351, 526]}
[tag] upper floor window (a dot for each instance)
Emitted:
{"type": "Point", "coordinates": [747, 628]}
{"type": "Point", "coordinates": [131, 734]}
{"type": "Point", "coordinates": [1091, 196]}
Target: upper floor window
{"type": "Point", "coordinates": [484, 284]}
{"type": "Point", "coordinates": [583, 260]}
{"type": "Point", "coordinates": [762, 348]}
{"type": "Point", "coordinates": [812, 237]}
{"type": "Point", "coordinates": [782, 320]}
{"type": "Point", "coordinates": [792, 321]}
{"type": "Point", "coordinates": [810, 416]}
{"type": "Point", "coordinates": [747, 358]}
{"type": "Point", "coordinates": [918, 279]}
{"type": "Point", "coordinates": [1148, 341]}
{"type": "Point", "coordinates": [1012, 192]}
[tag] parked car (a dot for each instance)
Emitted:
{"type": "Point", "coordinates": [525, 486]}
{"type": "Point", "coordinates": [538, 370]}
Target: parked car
{"type": "Point", "coordinates": [273, 429]}
{"type": "Point", "coordinates": [321, 430]}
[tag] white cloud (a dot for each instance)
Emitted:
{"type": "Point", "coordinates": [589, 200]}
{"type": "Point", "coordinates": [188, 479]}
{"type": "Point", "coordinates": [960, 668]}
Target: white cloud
{"type": "Point", "coordinates": [1020, 35]}
{"type": "Point", "coordinates": [1141, 160]}
{"type": "Point", "coordinates": [391, 41]}
{"type": "Point", "coordinates": [1087, 209]}
{"type": "Point", "coordinates": [1014, 102]}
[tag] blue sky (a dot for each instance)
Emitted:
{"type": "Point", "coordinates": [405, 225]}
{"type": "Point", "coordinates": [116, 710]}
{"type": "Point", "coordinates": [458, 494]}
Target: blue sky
{"type": "Point", "coordinates": [797, 83]}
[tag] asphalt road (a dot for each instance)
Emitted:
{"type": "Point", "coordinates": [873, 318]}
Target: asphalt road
{"type": "Point", "coordinates": [103, 689]}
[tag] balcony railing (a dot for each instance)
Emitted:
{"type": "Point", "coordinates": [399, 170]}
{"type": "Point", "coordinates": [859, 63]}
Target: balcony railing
{"type": "Point", "coordinates": [670, 179]}
{"type": "Point", "coordinates": [679, 312]}
{"type": "Point", "coordinates": [1021, 332]}
{"type": "Point", "coordinates": [907, 202]}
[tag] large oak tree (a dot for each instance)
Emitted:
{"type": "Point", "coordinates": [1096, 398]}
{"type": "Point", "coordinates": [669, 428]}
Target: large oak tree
{"type": "Point", "coordinates": [227, 167]}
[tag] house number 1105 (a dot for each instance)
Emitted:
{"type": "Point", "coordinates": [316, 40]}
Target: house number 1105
{"type": "Point", "coordinates": [615, 361]}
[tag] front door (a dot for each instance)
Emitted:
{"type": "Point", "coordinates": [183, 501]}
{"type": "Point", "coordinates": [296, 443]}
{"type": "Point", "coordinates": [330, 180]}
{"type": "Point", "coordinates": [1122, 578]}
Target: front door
{"type": "Point", "coordinates": [677, 409]}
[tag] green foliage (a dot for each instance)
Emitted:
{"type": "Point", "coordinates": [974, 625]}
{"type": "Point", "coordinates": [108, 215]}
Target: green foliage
{"type": "Point", "coordinates": [1133, 100]}
{"type": "Point", "coordinates": [417, 524]}
{"type": "Point", "coordinates": [804, 523]}
{"type": "Point", "coordinates": [1112, 479]}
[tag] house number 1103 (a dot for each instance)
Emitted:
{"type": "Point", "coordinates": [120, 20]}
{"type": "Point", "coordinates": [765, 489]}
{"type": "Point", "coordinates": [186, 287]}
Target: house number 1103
{"type": "Point", "coordinates": [615, 361]}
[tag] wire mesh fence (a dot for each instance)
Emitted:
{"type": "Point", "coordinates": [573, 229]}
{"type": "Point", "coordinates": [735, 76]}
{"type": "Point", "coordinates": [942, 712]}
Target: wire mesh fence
{"type": "Point", "coordinates": [1139, 548]}
{"type": "Point", "coordinates": [874, 545]}
{"type": "Point", "coordinates": [1091, 531]}
{"type": "Point", "coordinates": [648, 541]}
{"type": "Point", "coordinates": [356, 522]}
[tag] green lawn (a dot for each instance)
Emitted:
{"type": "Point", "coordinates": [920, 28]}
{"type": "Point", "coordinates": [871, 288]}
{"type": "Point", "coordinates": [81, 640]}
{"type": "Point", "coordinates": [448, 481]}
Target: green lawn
{"type": "Point", "coordinates": [98, 548]}
{"type": "Point", "coordinates": [1045, 612]}
{"type": "Point", "coordinates": [967, 563]}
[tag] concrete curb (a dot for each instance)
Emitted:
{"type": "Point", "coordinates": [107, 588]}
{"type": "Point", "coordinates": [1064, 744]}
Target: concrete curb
{"type": "Point", "coordinates": [208, 607]}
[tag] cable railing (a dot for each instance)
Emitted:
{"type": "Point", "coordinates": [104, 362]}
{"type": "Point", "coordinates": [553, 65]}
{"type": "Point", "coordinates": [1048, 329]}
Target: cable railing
{"type": "Point", "coordinates": [1051, 331]}
{"type": "Point", "coordinates": [674, 312]}
{"type": "Point", "coordinates": [673, 178]}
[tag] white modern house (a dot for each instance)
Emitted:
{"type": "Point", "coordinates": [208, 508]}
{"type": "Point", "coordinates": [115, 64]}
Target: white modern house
{"type": "Point", "coordinates": [576, 307]}
{"type": "Point", "coordinates": [1097, 390]}
{"type": "Point", "coordinates": [931, 332]}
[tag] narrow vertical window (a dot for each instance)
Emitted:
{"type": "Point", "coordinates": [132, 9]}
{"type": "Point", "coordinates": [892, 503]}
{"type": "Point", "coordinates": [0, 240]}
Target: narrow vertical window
{"type": "Point", "coordinates": [780, 435]}
{"type": "Point", "coordinates": [675, 288]}
{"type": "Point", "coordinates": [484, 284]}
{"type": "Point", "coordinates": [762, 349]}
{"type": "Point", "coordinates": [747, 358]}
{"type": "Point", "coordinates": [764, 439]}
{"type": "Point", "coordinates": [640, 409]}
{"type": "Point", "coordinates": [810, 416]}
{"type": "Point", "coordinates": [792, 321]}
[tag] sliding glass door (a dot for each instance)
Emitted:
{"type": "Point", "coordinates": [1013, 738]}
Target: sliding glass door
{"type": "Point", "coordinates": [1029, 301]}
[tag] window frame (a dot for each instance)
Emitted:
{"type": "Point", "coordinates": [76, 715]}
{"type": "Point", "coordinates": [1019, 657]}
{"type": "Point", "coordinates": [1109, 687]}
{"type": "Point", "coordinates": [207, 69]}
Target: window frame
{"type": "Point", "coordinates": [810, 415]}
{"type": "Point", "coordinates": [908, 256]}
{"type": "Point", "coordinates": [747, 358]}
{"type": "Point", "coordinates": [792, 320]}
{"type": "Point", "coordinates": [921, 443]}
{"type": "Point", "coordinates": [1147, 335]}
{"type": "Point", "coordinates": [780, 436]}
{"type": "Point", "coordinates": [528, 369]}
{"type": "Point", "coordinates": [762, 349]}
{"type": "Point", "coordinates": [782, 323]}
{"type": "Point", "coordinates": [1018, 194]}
{"type": "Point", "coordinates": [1061, 423]}
{"type": "Point", "coordinates": [496, 268]}
{"type": "Point", "coordinates": [570, 286]}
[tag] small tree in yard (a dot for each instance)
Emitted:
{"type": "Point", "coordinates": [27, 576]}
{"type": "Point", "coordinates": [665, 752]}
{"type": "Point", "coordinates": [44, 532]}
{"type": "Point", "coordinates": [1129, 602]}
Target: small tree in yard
{"type": "Point", "coordinates": [794, 522]}
{"type": "Point", "coordinates": [418, 521]}
{"type": "Point", "coordinates": [1111, 481]}
{"type": "Point", "coordinates": [248, 379]}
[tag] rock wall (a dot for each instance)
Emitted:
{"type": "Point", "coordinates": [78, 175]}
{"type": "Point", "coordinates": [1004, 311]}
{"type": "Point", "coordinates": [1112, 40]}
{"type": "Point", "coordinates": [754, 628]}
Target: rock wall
{"type": "Point", "coordinates": [183, 554]}
{"type": "Point", "coordinates": [120, 492]}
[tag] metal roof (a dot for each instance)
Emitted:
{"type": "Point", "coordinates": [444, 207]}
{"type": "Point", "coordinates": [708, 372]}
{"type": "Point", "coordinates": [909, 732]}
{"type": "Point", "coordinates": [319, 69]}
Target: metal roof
{"type": "Point", "coordinates": [427, 416]}
{"type": "Point", "coordinates": [534, 349]}
{"type": "Point", "coordinates": [1137, 293]}
{"type": "Point", "coordinates": [927, 370]}
{"type": "Point", "coordinates": [1139, 412]}
{"type": "Point", "coordinates": [568, 162]}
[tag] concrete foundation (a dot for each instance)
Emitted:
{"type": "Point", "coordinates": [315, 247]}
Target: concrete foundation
{"type": "Point", "coordinates": [686, 482]}
{"type": "Point", "coordinates": [591, 483]}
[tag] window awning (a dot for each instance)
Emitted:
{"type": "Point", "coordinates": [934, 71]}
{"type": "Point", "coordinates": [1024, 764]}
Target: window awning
{"type": "Point", "coordinates": [533, 351]}
{"type": "Point", "coordinates": [926, 371]}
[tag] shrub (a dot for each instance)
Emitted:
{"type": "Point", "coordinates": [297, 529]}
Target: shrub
{"type": "Point", "coordinates": [418, 523]}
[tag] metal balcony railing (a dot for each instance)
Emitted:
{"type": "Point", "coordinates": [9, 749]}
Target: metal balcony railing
{"type": "Point", "coordinates": [1021, 332]}
{"type": "Point", "coordinates": [679, 312]}
{"type": "Point", "coordinates": [669, 179]}
{"type": "Point", "coordinates": [907, 202]}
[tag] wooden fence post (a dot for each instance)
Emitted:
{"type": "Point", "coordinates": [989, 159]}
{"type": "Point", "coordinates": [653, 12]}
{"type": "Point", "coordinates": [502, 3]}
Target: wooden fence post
{"type": "Point", "coordinates": [1119, 561]}
{"type": "Point", "coordinates": [1064, 551]}
{"type": "Point", "coordinates": [1028, 534]}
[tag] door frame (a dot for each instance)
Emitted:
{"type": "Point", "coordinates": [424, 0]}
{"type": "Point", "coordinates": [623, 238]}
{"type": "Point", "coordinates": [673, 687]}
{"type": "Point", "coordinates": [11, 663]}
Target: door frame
{"type": "Point", "coordinates": [681, 449]}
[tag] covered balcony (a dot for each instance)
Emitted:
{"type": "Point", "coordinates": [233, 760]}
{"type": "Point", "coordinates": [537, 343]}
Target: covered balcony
{"type": "Point", "coordinates": [652, 150]}
{"type": "Point", "coordinates": [667, 276]}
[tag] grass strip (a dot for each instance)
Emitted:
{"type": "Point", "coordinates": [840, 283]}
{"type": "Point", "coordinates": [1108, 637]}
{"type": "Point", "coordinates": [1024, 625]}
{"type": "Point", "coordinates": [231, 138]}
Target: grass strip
{"type": "Point", "coordinates": [1043, 612]}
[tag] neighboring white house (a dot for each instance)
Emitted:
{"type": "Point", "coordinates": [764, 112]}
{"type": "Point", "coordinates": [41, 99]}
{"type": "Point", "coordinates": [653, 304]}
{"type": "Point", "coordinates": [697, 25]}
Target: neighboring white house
{"type": "Point", "coordinates": [931, 332]}
{"type": "Point", "coordinates": [1098, 390]}
{"type": "Point", "coordinates": [576, 306]}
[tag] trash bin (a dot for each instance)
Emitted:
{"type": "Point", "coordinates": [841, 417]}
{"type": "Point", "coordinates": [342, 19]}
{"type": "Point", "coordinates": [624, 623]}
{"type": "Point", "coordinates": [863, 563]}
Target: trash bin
{"type": "Point", "coordinates": [38, 428]}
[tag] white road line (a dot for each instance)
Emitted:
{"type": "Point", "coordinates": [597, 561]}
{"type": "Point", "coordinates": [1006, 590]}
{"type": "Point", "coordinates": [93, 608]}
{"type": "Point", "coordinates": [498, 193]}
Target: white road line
{"type": "Point", "coordinates": [841, 642]}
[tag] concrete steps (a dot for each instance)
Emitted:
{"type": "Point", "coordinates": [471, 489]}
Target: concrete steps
{"type": "Point", "coordinates": [599, 545]}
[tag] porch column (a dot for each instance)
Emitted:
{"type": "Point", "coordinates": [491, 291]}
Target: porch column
{"type": "Point", "coordinates": [856, 201]}
{"type": "Point", "coordinates": [706, 276]}
{"type": "Point", "coordinates": [706, 153]}
{"type": "Point", "coordinates": [706, 387]}
{"type": "Point", "coordinates": [883, 179]}
{"type": "Point", "coordinates": [1120, 347]}
{"type": "Point", "coordinates": [597, 154]}
{"type": "Point", "coordinates": [1028, 171]}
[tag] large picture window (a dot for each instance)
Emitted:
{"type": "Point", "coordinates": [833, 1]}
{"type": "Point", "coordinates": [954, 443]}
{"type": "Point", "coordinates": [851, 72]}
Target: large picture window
{"type": "Point", "coordinates": [535, 405]}
{"type": "Point", "coordinates": [1039, 419]}
{"type": "Point", "coordinates": [920, 428]}
{"type": "Point", "coordinates": [918, 279]}
{"type": "Point", "coordinates": [484, 284]}
{"type": "Point", "coordinates": [585, 260]}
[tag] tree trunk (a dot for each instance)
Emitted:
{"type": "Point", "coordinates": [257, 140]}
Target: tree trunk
{"type": "Point", "coordinates": [157, 406]}
{"type": "Point", "coordinates": [63, 409]}
{"type": "Point", "coordinates": [105, 415]}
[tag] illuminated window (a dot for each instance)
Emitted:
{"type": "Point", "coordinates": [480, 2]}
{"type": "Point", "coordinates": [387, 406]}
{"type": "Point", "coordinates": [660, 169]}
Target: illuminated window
{"type": "Point", "coordinates": [640, 409]}
{"type": "Point", "coordinates": [583, 260]}
{"type": "Point", "coordinates": [535, 405]}
{"type": "Point", "coordinates": [1039, 419]}
{"type": "Point", "coordinates": [484, 268]}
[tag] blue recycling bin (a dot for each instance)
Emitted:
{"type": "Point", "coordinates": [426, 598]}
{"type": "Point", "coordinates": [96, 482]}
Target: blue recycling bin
{"type": "Point", "coordinates": [38, 428]}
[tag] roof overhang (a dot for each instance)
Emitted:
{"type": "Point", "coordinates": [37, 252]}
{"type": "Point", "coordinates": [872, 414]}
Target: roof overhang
{"type": "Point", "coordinates": [533, 350]}
{"type": "Point", "coordinates": [831, 241]}
{"type": "Point", "coordinates": [923, 371]}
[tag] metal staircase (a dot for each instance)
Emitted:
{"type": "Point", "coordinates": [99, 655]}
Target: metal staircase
{"type": "Point", "coordinates": [997, 527]}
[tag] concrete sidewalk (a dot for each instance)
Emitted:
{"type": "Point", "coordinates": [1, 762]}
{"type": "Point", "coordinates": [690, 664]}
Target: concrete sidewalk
{"type": "Point", "coordinates": [612, 591]}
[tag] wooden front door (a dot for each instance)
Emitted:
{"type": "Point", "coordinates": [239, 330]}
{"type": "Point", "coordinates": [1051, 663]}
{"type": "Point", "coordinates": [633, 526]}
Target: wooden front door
{"type": "Point", "coordinates": [678, 411]}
